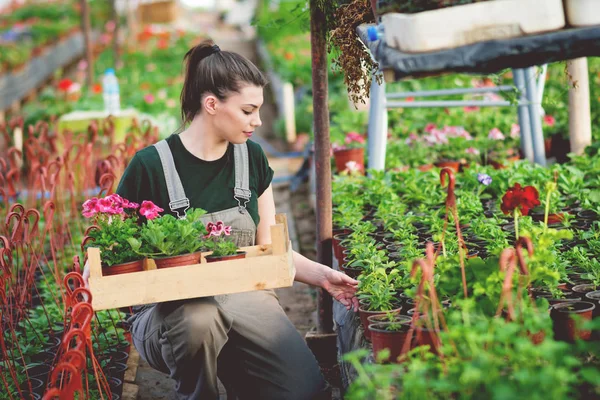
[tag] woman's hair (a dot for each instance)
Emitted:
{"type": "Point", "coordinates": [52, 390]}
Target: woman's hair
{"type": "Point", "coordinates": [210, 70]}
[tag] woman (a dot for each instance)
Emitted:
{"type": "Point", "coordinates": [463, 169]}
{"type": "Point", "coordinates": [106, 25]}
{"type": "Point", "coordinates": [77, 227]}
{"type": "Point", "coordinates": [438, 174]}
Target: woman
{"type": "Point", "coordinates": [245, 339]}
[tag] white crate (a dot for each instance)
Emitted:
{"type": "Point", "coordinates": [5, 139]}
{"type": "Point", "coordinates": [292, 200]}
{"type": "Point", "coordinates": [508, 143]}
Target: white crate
{"type": "Point", "coordinates": [583, 12]}
{"type": "Point", "coordinates": [471, 23]}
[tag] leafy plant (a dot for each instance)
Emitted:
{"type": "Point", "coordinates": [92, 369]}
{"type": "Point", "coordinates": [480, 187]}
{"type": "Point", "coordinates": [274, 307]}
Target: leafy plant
{"type": "Point", "coordinates": [169, 236]}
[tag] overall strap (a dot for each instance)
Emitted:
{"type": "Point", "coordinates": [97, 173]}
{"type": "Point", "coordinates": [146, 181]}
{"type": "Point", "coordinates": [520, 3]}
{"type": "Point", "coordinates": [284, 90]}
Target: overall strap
{"type": "Point", "coordinates": [178, 202]}
{"type": "Point", "coordinates": [241, 191]}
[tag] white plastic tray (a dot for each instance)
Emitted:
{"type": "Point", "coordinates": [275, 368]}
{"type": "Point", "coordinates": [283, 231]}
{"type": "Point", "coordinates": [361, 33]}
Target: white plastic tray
{"type": "Point", "coordinates": [467, 24]}
{"type": "Point", "coordinates": [583, 12]}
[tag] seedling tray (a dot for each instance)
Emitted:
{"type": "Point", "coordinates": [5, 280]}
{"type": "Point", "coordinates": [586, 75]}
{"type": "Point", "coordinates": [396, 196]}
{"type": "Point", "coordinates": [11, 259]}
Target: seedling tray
{"type": "Point", "coordinates": [265, 267]}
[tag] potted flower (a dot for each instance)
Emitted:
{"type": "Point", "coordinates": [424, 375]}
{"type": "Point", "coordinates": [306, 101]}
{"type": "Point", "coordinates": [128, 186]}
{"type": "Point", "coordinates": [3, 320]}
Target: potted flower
{"type": "Point", "coordinates": [115, 224]}
{"type": "Point", "coordinates": [223, 248]}
{"type": "Point", "coordinates": [351, 155]}
{"type": "Point", "coordinates": [169, 241]}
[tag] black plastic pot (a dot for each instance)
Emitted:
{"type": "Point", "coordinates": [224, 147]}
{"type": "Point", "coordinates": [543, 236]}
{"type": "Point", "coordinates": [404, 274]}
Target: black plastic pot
{"type": "Point", "coordinates": [118, 357]}
{"type": "Point", "coordinates": [40, 371]}
{"type": "Point", "coordinates": [115, 385]}
{"type": "Point", "coordinates": [585, 288]}
{"type": "Point", "coordinates": [594, 297]}
{"type": "Point", "coordinates": [34, 385]}
{"type": "Point", "coordinates": [117, 370]}
{"type": "Point", "coordinates": [565, 327]}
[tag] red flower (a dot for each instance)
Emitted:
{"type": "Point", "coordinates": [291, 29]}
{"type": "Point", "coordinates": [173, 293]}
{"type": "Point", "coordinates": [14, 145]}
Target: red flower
{"type": "Point", "coordinates": [524, 198]}
{"type": "Point", "coordinates": [97, 88]}
{"type": "Point", "coordinates": [549, 120]}
{"type": "Point", "coordinates": [150, 210]}
{"type": "Point", "coordinates": [64, 84]}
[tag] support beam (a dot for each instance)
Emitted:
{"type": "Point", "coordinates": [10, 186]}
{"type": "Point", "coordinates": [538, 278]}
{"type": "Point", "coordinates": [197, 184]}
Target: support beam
{"type": "Point", "coordinates": [535, 118]}
{"type": "Point", "coordinates": [523, 110]}
{"type": "Point", "coordinates": [580, 122]}
{"type": "Point", "coordinates": [89, 56]}
{"type": "Point", "coordinates": [377, 142]}
{"type": "Point", "coordinates": [322, 158]}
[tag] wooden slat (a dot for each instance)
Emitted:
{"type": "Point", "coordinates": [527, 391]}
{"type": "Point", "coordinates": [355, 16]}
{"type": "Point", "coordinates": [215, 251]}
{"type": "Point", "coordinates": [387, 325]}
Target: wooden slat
{"type": "Point", "coordinates": [132, 365]}
{"type": "Point", "coordinates": [95, 262]}
{"type": "Point", "coordinates": [282, 219]}
{"type": "Point", "coordinates": [130, 391]}
{"type": "Point", "coordinates": [199, 280]}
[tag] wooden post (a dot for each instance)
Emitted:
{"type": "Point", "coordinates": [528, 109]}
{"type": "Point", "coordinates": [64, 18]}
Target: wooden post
{"type": "Point", "coordinates": [580, 123]}
{"type": "Point", "coordinates": [322, 157]}
{"type": "Point", "coordinates": [289, 112]}
{"type": "Point", "coordinates": [115, 17]}
{"type": "Point", "coordinates": [85, 25]}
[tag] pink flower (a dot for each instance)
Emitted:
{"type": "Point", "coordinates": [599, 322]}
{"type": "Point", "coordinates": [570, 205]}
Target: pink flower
{"type": "Point", "coordinates": [549, 120]}
{"type": "Point", "coordinates": [470, 109]}
{"type": "Point", "coordinates": [430, 127]}
{"type": "Point", "coordinates": [149, 98]}
{"type": "Point", "coordinates": [496, 134]}
{"type": "Point", "coordinates": [110, 26]}
{"type": "Point", "coordinates": [82, 65]}
{"type": "Point", "coordinates": [354, 137]}
{"type": "Point", "coordinates": [90, 207]}
{"type": "Point", "coordinates": [217, 229]}
{"type": "Point", "coordinates": [115, 198]}
{"type": "Point", "coordinates": [150, 210]}
{"type": "Point", "coordinates": [411, 138]}
{"type": "Point", "coordinates": [472, 150]}
{"type": "Point", "coordinates": [515, 131]}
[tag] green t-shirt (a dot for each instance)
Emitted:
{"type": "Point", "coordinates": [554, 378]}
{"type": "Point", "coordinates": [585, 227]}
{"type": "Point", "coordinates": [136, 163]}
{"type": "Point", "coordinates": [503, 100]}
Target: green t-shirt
{"type": "Point", "coordinates": [208, 184]}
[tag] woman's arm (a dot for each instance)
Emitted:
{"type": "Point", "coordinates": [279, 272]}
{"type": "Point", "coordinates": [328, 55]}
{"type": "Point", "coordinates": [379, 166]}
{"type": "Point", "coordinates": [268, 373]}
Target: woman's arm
{"type": "Point", "coordinates": [339, 285]}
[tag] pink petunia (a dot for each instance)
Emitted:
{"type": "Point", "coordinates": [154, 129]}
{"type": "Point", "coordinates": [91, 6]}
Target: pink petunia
{"type": "Point", "coordinates": [90, 207]}
{"type": "Point", "coordinates": [430, 127]}
{"type": "Point", "coordinates": [354, 137]}
{"type": "Point", "coordinates": [470, 109]}
{"type": "Point", "coordinates": [472, 150]}
{"type": "Point", "coordinates": [496, 134]}
{"type": "Point", "coordinates": [549, 120]}
{"type": "Point", "coordinates": [149, 98]}
{"type": "Point", "coordinates": [150, 210]}
{"type": "Point", "coordinates": [515, 131]}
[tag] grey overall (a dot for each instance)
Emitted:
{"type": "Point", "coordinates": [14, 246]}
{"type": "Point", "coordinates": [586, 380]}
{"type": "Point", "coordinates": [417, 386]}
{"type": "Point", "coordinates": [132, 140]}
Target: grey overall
{"type": "Point", "coordinates": [245, 339]}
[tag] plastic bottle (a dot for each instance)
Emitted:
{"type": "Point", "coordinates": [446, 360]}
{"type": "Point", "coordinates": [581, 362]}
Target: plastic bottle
{"type": "Point", "coordinates": [375, 32]}
{"type": "Point", "coordinates": [110, 88]}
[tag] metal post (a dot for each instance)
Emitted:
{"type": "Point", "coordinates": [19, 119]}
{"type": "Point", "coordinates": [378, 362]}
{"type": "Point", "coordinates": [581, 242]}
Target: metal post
{"type": "Point", "coordinates": [537, 135]}
{"type": "Point", "coordinates": [322, 158]}
{"type": "Point", "coordinates": [580, 122]}
{"type": "Point", "coordinates": [377, 126]}
{"type": "Point", "coordinates": [523, 110]}
{"type": "Point", "coordinates": [85, 22]}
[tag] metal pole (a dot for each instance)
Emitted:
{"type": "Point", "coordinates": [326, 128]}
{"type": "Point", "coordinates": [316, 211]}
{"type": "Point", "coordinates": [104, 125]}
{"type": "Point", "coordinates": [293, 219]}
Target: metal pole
{"type": "Point", "coordinates": [450, 92]}
{"type": "Point", "coordinates": [523, 110]}
{"type": "Point", "coordinates": [85, 22]}
{"type": "Point", "coordinates": [448, 103]}
{"type": "Point", "coordinates": [580, 122]}
{"type": "Point", "coordinates": [322, 158]}
{"type": "Point", "coordinates": [377, 126]}
{"type": "Point", "coordinates": [537, 135]}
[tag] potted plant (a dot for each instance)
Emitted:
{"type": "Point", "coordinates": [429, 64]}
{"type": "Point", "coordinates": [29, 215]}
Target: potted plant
{"type": "Point", "coordinates": [115, 224]}
{"type": "Point", "coordinates": [350, 156]}
{"type": "Point", "coordinates": [172, 242]}
{"type": "Point", "coordinates": [223, 248]}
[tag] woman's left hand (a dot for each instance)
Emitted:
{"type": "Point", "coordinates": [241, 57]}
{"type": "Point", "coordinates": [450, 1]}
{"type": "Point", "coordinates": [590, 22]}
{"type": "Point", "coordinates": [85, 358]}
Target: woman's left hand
{"type": "Point", "coordinates": [342, 288]}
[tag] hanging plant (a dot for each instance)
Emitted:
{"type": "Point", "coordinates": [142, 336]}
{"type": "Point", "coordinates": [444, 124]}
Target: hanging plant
{"type": "Point", "coordinates": [351, 56]}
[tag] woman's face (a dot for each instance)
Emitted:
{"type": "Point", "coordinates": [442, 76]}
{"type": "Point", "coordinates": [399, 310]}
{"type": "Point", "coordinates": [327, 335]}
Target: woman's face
{"type": "Point", "coordinates": [237, 117]}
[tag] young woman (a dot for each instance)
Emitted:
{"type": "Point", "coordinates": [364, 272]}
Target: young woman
{"type": "Point", "coordinates": [244, 339]}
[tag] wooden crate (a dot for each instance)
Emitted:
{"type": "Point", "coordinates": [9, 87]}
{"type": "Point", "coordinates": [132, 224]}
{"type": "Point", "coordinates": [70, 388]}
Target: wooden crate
{"type": "Point", "coordinates": [265, 267]}
{"type": "Point", "coordinates": [158, 12]}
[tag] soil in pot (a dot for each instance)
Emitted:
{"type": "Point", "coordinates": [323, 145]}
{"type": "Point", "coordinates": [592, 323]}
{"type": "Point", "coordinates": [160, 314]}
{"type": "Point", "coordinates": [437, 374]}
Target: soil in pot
{"type": "Point", "coordinates": [177, 261]}
{"type": "Point", "coordinates": [351, 272]}
{"type": "Point", "coordinates": [125, 268]}
{"type": "Point", "coordinates": [364, 314]}
{"type": "Point", "coordinates": [583, 289]}
{"type": "Point", "coordinates": [342, 157]}
{"type": "Point", "coordinates": [402, 319]}
{"type": "Point", "coordinates": [383, 338]}
{"type": "Point", "coordinates": [239, 255]}
{"type": "Point", "coordinates": [565, 327]}
{"type": "Point", "coordinates": [594, 297]}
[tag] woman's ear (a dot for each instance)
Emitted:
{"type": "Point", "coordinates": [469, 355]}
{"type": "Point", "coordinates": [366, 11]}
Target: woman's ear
{"type": "Point", "coordinates": [210, 104]}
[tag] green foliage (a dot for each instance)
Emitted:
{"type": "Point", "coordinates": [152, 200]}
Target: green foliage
{"type": "Point", "coordinates": [114, 240]}
{"type": "Point", "coordinates": [169, 236]}
{"type": "Point", "coordinates": [223, 247]}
